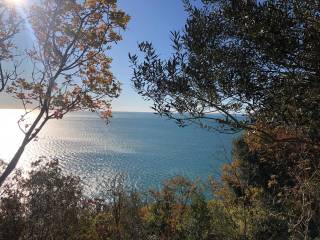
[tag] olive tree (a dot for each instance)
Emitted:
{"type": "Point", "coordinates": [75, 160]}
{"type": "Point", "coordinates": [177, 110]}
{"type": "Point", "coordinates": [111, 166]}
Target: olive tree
{"type": "Point", "coordinates": [259, 59]}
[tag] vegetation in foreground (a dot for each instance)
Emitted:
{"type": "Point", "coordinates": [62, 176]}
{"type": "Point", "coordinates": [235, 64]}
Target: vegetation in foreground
{"type": "Point", "coordinates": [255, 57]}
{"type": "Point", "coordinates": [260, 59]}
{"type": "Point", "coordinates": [51, 205]}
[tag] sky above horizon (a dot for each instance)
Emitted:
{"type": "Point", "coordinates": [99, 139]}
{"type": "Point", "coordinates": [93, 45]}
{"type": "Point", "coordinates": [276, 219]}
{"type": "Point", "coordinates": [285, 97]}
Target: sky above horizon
{"type": "Point", "coordinates": [151, 20]}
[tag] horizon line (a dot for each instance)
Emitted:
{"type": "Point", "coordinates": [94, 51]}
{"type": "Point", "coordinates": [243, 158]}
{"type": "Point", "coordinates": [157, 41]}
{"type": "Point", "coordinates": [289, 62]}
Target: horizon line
{"type": "Point", "coordinates": [10, 108]}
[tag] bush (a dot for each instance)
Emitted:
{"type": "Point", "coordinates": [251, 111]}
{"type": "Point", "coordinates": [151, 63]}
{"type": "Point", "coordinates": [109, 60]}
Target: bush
{"type": "Point", "coordinates": [47, 204]}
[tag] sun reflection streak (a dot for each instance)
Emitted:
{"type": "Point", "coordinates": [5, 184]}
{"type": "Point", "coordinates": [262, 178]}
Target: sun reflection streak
{"type": "Point", "coordinates": [22, 12]}
{"type": "Point", "coordinates": [21, 7]}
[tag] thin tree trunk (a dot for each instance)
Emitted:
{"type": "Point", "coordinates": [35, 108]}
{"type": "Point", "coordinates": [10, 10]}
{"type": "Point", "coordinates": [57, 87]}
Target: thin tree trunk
{"type": "Point", "coordinates": [12, 165]}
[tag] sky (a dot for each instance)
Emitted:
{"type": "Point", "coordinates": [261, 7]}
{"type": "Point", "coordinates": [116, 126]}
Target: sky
{"type": "Point", "coordinates": [151, 20]}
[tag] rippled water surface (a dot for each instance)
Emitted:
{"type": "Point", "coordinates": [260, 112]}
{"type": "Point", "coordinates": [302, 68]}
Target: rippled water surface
{"type": "Point", "coordinates": [145, 147]}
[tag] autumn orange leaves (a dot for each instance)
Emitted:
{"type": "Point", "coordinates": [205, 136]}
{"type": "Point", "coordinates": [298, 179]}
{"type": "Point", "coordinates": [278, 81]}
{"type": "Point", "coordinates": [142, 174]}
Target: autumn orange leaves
{"type": "Point", "coordinates": [69, 68]}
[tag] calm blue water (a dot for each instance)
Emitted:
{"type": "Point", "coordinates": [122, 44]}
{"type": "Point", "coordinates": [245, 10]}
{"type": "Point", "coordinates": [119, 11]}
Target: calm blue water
{"type": "Point", "coordinates": [145, 147]}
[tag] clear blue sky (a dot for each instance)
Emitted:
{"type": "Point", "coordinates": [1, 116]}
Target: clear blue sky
{"type": "Point", "coordinates": [151, 20]}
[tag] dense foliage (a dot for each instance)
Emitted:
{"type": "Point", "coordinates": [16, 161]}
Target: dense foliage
{"type": "Point", "coordinates": [259, 59]}
{"type": "Point", "coordinates": [51, 205]}
{"type": "Point", "coordinates": [255, 58]}
{"type": "Point", "coordinates": [48, 204]}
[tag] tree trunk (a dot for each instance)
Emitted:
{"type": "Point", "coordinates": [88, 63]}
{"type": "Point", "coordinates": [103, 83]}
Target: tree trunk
{"type": "Point", "coordinates": [12, 165]}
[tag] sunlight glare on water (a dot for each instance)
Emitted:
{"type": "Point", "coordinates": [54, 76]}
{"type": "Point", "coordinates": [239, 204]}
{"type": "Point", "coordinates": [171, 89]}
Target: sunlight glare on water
{"type": "Point", "coordinates": [11, 135]}
{"type": "Point", "coordinates": [145, 147]}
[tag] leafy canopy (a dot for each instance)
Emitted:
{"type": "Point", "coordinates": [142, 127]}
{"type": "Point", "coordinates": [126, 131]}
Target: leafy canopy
{"type": "Point", "coordinates": [254, 58]}
{"type": "Point", "coordinates": [70, 66]}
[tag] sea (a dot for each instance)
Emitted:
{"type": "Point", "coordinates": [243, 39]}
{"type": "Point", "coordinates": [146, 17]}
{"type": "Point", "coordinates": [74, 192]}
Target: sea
{"type": "Point", "coordinates": [143, 147]}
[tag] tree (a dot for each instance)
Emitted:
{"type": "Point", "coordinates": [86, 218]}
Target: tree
{"type": "Point", "coordinates": [9, 27]}
{"type": "Point", "coordinates": [71, 70]}
{"type": "Point", "coordinates": [253, 58]}
{"type": "Point", "coordinates": [259, 59]}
